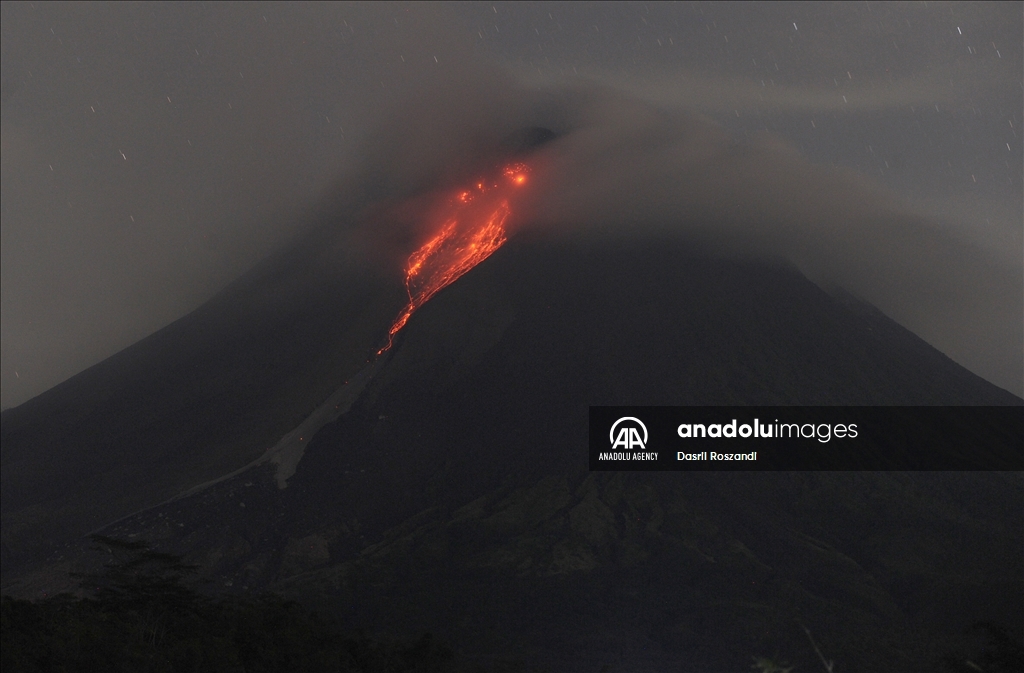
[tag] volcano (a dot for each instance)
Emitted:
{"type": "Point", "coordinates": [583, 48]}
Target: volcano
{"type": "Point", "coordinates": [443, 484]}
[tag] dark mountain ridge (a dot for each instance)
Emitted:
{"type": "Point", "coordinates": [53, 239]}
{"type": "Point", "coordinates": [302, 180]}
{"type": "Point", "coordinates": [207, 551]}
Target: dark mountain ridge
{"type": "Point", "coordinates": [454, 495]}
{"type": "Point", "coordinates": [199, 398]}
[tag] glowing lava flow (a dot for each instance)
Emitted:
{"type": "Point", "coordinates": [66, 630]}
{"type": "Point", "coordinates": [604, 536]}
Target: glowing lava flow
{"type": "Point", "coordinates": [468, 236]}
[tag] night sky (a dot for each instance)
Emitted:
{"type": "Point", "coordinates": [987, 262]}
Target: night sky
{"type": "Point", "coordinates": [152, 153]}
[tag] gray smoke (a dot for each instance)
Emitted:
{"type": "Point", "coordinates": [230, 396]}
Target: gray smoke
{"type": "Point", "coordinates": [627, 167]}
{"type": "Point", "coordinates": [153, 153]}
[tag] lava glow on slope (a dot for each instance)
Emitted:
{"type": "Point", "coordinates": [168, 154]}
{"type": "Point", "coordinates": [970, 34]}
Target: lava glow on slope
{"type": "Point", "coordinates": [473, 228]}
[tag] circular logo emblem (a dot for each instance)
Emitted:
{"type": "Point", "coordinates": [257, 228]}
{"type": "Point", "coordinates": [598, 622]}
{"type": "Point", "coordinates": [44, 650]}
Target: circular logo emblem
{"type": "Point", "coordinates": [628, 436]}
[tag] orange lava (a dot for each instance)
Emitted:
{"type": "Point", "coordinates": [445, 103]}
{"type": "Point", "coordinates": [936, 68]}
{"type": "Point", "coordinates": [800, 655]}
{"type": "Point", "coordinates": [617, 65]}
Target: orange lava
{"type": "Point", "coordinates": [472, 230]}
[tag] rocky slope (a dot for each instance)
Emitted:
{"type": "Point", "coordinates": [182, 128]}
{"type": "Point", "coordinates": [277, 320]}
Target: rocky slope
{"type": "Point", "coordinates": [454, 495]}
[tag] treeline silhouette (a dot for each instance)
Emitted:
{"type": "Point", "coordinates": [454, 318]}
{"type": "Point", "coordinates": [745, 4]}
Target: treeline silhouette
{"type": "Point", "coordinates": [138, 615]}
{"type": "Point", "coordinates": [1004, 652]}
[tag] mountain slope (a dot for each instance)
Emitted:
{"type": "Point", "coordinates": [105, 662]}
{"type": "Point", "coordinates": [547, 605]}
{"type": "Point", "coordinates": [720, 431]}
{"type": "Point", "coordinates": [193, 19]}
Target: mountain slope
{"type": "Point", "coordinates": [463, 466]}
{"type": "Point", "coordinates": [202, 397]}
{"type": "Point", "coordinates": [454, 495]}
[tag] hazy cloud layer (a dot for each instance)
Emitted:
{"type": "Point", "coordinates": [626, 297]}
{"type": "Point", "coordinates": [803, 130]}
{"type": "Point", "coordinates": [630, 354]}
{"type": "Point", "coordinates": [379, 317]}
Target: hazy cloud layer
{"type": "Point", "coordinates": [624, 166]}
{"type": "Point", "coordinates": [630, 167]}
{"type": "Point", "coordinates": [151, 153]}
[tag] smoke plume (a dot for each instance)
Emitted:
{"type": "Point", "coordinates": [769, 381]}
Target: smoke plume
{"type": "Point", "coordinates": [623, 166]}
{"type": "Point", "coordinates": [151, 156]}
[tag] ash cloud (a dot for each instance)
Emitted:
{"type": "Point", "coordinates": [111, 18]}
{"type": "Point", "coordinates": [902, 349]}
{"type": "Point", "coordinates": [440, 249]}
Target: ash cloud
{"type": "Point", "coordinates": [623, 166]}
{"type": "Point", "coordinates": [152, 154]}
{"type": "Point", "coordinates": [238, 122]}
{"type": "Point", "coordinates": [629, 167]}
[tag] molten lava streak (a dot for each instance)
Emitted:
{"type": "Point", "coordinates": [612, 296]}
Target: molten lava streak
{"type": "Point", "coordinates": [471, 232]}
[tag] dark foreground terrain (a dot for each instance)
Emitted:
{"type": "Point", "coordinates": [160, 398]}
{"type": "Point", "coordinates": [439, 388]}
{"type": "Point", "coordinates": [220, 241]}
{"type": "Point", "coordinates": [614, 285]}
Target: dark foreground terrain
{"type": "Point", "coordinates": [454, 496]}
